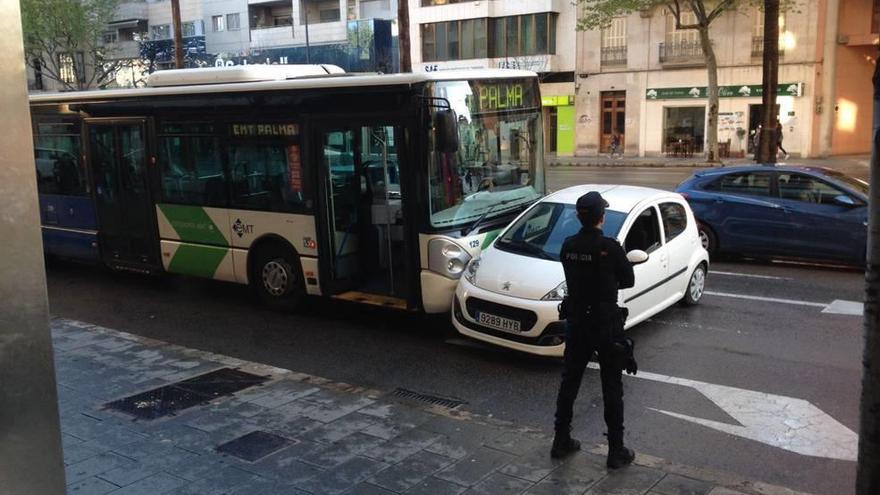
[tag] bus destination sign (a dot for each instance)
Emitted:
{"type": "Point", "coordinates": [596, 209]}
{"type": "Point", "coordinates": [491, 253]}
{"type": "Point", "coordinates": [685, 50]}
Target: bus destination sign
{"type": "Point", "coordinates": [265, 130]}
{"type": "Point", "coordinates": [500, 96]}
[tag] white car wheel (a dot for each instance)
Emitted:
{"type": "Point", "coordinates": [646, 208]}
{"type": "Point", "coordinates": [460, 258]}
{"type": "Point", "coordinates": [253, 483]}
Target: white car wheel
{"type": "Point", "coordinates": [696, 286]}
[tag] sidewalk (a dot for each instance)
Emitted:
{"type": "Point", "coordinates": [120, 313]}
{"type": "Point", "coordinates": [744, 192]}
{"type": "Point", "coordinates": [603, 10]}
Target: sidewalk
{"type": "Point", "coordinates": [211, 424]}
{"type": "Point", "coordinates": [847, 164]}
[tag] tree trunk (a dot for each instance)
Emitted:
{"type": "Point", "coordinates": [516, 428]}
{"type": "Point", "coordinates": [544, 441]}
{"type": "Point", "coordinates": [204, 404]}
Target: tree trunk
{"type": "Point", "coordinates": [403, 35]}
{"type": "Point", "coordinates": [868, 470]}
{"type": "Point", "coordinates": [766, 152]}
{"type": "Point", "coordinates": [712, 90]}
{"type": "Point", "coordinates": [178, 35]}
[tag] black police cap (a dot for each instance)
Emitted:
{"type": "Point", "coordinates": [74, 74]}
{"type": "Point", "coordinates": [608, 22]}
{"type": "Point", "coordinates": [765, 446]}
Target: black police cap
{"type": "Point", "coordinates": [592, 201]}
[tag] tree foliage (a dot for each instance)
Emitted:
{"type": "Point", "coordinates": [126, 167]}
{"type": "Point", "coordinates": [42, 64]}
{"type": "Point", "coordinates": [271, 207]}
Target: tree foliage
{"type": "Point", "coordinates": [56, 31]}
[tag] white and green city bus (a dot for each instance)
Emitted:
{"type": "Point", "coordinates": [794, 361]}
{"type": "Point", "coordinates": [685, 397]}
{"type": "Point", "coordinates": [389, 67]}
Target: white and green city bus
{"type": "Point", "coordinates": [295, 180]}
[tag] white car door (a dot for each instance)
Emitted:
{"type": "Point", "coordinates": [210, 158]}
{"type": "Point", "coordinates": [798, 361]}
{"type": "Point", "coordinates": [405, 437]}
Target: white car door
{"type": "Point", "coordinates": [681, 242]}
{"type": "Point", "coordinates": [650, 290]}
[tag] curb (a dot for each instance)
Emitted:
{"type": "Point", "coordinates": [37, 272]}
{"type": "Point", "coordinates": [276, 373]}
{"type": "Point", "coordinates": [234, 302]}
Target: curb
{"type": "Point", "coordinates": [740, 485]}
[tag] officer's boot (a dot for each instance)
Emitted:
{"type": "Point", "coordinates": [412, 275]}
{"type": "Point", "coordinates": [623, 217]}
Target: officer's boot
{"type": "Point", "coordinates": [563, 444]}
{"type": "Point", "coordinates": [618, 455]}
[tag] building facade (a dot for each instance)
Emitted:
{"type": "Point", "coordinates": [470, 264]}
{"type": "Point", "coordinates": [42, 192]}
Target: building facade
{"type": "Point", "coordinates": [645, 81]}
{"type": "Point", "coordinates": [357, 35]}
{"type": "Point", "coordinates": [535, 35]}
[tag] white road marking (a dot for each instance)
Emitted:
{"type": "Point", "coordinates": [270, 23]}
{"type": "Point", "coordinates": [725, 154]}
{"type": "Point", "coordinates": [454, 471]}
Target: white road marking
{"type": "Point", "coordinates": [748, 275]}
{"type": "Point", "coordinates": [779, 421]}
{"type": "Point", "coordinates": [767, 299]}
{"type": "Point", "coordinates": [836, 307]}
{"type": "Point", "coordinates": [841, 307]}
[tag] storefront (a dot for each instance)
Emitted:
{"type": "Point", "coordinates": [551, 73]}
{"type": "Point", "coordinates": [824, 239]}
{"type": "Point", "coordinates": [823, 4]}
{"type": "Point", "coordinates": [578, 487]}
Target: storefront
{"type": "Point", "coordinates": [681, 113]}
{"type": "Point", "coordinates": [559, 124]}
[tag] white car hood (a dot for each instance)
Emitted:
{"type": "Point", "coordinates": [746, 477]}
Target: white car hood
{"type": "Point", "coordinates": [517, 275]}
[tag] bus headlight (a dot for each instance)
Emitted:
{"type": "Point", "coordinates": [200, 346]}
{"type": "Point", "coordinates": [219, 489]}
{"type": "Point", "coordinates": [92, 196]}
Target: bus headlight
{"type": "Point", "coordinates": [447, 258]}
{"type": "Point", "coordinates": [556, 294]}
{"type": "Point", "coordinates": [470, 273]}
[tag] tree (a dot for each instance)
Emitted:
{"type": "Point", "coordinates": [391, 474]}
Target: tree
{"type": "Point", "coordinates": [868, 471]}
{"type": "Point", "coordinates": [769, 137]}
{"type": "Point", "coordinates": [63, 41]}
{"type": "Point", "coordinates": [599, 13]}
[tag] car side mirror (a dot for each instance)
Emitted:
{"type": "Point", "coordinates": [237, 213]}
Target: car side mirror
{"type": "Point", "coordinates": [844, 200]}
{"type": "Point", "coordinates": [637, 256]}
{"type": "Point", "coordinates": [446, 129]}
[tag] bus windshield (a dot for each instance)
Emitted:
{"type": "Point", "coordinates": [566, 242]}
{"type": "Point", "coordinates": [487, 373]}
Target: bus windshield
{"type": "Point", "coordinates": [499, 163]}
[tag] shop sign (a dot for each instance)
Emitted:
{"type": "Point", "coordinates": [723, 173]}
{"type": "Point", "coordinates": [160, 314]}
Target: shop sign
{"type": "Point", "coordinates": [743, 91]}
{"type": "Point", "coordinates": [557, 101]}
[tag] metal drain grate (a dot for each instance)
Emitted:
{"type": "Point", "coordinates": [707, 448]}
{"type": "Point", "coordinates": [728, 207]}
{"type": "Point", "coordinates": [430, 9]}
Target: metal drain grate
{"type": "Point", "coordinates": [168, 400]}
{"type": "Point", "coordinates": [434, 400]}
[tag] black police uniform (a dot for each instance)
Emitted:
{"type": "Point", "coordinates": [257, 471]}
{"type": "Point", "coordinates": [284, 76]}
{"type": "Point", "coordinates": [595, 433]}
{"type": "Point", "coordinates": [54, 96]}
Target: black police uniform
{"type": "Point", "coordinates": [595, 267]}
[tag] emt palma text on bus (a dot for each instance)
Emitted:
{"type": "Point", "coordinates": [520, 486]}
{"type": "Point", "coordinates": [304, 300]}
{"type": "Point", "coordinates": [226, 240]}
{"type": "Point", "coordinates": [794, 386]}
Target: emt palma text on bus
{"type": "Point", "coordinates": [295, 180]}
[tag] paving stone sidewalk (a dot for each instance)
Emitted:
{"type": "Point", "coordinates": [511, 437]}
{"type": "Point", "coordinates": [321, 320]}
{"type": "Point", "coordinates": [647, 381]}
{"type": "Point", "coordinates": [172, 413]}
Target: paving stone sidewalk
{"type": "Point", "coordinates": [300, 434]}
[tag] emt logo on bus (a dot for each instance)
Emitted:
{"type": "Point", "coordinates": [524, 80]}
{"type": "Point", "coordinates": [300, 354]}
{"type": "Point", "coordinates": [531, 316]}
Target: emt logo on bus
{"type": "Point", "coordinates": [260, 130]}
{"type": "Point", "coordinates": [500, 96]}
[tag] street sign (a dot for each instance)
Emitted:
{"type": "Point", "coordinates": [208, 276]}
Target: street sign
{"type": "Point", "coordinates": [776, 420]}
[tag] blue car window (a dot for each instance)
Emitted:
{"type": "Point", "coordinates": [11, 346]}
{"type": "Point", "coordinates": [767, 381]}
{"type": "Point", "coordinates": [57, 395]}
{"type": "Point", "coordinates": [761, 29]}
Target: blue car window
{"type": "Point", "coordinates": [800, 187]}
{"type": "Point", "coordinates": [752, 183]}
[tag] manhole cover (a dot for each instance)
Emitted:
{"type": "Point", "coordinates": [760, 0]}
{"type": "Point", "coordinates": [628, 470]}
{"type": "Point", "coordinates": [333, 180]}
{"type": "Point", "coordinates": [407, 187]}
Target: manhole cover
{"type": "Point", "coordinates": [255, 445]}
{"type": "Point", "coordinates": [170, 399]}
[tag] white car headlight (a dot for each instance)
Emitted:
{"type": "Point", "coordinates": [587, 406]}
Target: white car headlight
{"type": "Point", "coordinates": [556, 294]}
{"type": "Point", "coordinates": [447, 258]}
{"type": "Point", "coordinates": [470, 273]}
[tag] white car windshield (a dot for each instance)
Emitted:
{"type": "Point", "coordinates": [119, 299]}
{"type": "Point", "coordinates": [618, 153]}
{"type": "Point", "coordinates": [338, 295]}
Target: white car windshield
{"type": "Point", "coordinates": [542, 230]}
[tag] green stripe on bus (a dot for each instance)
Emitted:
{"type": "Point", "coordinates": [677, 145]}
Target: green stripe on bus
{"type": "Point", "coordinates": [200, 261]}
{"type": "Point", "coordinates": [193, 224]}
{"type": "Point", "coordinates": [489, 238]}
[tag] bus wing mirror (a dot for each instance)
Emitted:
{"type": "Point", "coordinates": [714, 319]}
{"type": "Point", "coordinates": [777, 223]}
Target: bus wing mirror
{"type": "Point", "coordinates": [446, 129]}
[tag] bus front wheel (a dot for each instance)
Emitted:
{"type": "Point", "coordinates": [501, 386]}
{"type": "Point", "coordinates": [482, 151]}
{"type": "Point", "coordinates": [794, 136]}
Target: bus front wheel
{"type": "Point", "coordinates": [276, 278]}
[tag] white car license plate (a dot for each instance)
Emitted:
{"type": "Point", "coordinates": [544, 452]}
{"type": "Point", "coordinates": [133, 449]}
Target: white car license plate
{"type": "Point", "coordinates": [498, 322]}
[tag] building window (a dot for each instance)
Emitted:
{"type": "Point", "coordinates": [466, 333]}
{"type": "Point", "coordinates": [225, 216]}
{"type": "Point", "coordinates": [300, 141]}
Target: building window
{"type": "Point", "coordinates": [38, 73]}
{"type": "Point", "coordinates": [684, 130]}
{"type": "Point", "coordinates": [218, 22]}
{"type": "Point", "coordinates": [161, 32]}
{"type": "Point", "coordinates": [681, 45]}
{"type": "Point", "coordinates": [497, 37]}
{"type": "Point", "coordinates": [429, 3]}
{"type": "Point", "coordinates": [233, 22]}
{"type": "Point", "coordinates": [758, 33]}
{"type": "Point", "coordinates": [351, 10]}
{"type": "Point", "coordinates": [110, 37]}
{"type": "Point", "coordinates": [875, 17]}
{"type": "Point", "coordinates": [614, 43]}
{"type": "Point", "coordinates": [71, 67]}
{"type": "Point", "coordinates": [188, 29]}
{"type": "Point", "coordinates": [319, 11]}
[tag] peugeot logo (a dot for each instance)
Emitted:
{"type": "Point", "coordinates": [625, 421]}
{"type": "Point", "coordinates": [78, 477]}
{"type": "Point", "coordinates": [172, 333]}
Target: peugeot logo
{"type": "Point", "coordinates": [505, 286]}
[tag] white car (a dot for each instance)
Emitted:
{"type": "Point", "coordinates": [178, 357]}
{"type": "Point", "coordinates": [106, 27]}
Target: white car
{"type": "Point", "coordinates": [509, 295]}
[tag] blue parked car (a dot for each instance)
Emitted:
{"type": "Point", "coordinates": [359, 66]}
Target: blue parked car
{"type": "Point", "coordinates": [780, 211]}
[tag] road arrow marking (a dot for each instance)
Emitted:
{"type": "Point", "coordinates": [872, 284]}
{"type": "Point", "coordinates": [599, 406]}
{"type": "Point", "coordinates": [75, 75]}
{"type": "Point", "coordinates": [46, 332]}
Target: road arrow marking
{"type": "Point", "coordinates": [779, 421]}
{"type": "Point", "coordinates": [841, 307]}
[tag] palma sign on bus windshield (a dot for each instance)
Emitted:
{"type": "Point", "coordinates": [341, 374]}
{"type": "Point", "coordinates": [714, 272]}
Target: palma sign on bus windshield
{"type": "Point", "coordinates": [499, 96]}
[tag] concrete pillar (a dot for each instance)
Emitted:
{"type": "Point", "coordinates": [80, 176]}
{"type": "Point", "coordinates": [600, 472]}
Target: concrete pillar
{"type": "Point", "coordinates": [30, 449]}
{"type": "Point", "coordinates": [829, 77]}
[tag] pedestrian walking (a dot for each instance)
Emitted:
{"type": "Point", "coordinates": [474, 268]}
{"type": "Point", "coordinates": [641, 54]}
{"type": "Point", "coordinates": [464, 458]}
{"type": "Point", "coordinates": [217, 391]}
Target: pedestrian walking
{"type": "Point", "coordinates": [779, 139]}
{"type": "Point", "coordinates": [596, 267]}
{"type": "Point", "coordinates": [615, 145]}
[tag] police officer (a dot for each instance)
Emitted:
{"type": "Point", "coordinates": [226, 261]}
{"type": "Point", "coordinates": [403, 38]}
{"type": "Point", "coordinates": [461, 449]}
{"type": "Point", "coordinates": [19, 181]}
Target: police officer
{"type": "Point", "coordinates": [595, 267]}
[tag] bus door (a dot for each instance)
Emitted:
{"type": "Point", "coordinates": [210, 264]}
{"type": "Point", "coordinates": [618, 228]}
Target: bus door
{"type": "Point", "coordinates": [117, 153]}
{"type": "Point", "coordinates": [362, 208]}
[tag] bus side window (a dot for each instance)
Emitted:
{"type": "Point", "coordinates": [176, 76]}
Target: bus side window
{"type": "Point", "coordinates": [267, 175]}
{"type": "Point", "coordinates": [192, 169]}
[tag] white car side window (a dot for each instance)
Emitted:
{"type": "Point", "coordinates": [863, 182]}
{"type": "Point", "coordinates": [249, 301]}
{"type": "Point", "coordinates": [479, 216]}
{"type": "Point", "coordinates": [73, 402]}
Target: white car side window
{"type": "Point", "coordinates": [644, 234]}
{"type": "Point", "coordinates": [674, 219]}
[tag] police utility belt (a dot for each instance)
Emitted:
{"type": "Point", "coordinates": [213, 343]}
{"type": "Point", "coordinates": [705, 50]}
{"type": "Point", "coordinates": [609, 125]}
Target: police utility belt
{"type": "Point", "coordinates": [622, 347]}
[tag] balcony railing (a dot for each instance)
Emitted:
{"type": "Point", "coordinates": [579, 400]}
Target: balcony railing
{"type": "Point", "coordinates": [613, 56]}
{"type": "Point", "coordinates": [681, 52]}
{"type": "Point", "coordinates": [758, 47]}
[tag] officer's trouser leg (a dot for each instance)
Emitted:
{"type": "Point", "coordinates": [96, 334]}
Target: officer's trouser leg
{"type": "Point", "coordinates": [612, 396]}
{"type": "Point", "coordinates": [577, 355]}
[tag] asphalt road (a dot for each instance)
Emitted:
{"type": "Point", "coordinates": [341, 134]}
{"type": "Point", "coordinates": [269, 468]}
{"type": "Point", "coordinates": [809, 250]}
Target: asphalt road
{"type": "Point", "coordinates": [778, 341]}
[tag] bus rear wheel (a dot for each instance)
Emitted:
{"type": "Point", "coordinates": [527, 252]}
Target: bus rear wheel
{"type": "Point", "coordinates": [276, 278]}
